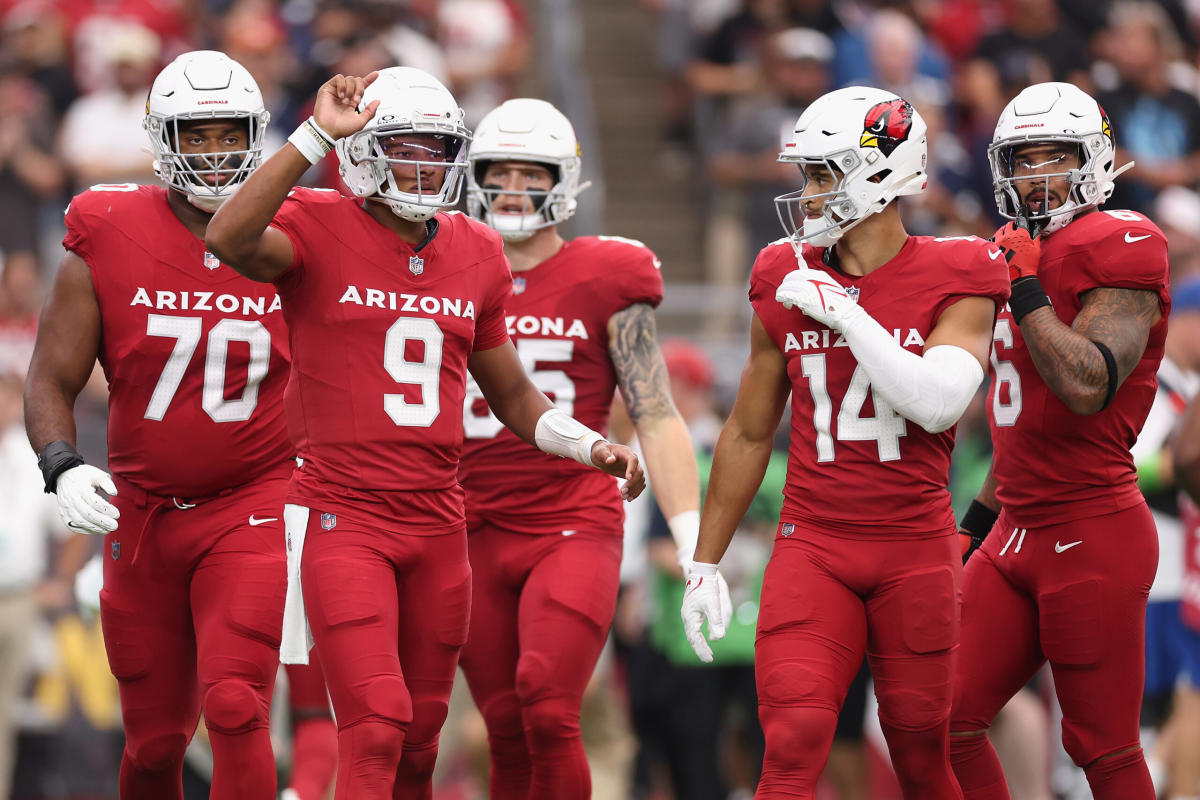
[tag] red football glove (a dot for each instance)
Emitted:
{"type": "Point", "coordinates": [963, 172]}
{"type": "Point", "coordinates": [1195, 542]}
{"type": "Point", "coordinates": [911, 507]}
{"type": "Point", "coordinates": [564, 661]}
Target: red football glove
{"type": "Point", "coordinates": [1022, 251]}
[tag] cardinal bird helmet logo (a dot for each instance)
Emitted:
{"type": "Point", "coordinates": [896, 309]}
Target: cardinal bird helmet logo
{"type": "Point", "coordinates": [887, 125]}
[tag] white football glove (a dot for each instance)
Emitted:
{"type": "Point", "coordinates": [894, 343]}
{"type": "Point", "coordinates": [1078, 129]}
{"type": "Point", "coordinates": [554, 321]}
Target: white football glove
{"type": "Point", "coordinates": [817, 295]}
{"type": "Point", "coordinates": [706, 597]}
{"type": "Point", "coordinates": [81, 506]}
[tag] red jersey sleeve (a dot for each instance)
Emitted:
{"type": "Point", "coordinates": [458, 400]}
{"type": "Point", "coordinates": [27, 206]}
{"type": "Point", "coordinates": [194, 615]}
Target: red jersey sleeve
{"type": "Point", "coordinates": [974, 268]}
{"type": "Point", "coordinates": [1129, 256]}
{"type": "Point", "coordinates": [491, 329]}
{"type": "Point", "coordinates": [78, 239]}
{"type": "Point", "coordinates": [640, 274]}
{"type": "Point", "coordinates": [293, 219]}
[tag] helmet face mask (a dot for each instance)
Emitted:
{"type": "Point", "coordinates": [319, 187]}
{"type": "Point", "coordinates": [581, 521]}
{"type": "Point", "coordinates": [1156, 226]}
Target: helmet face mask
{"type": "Point", "coordinates": [1062, 117]}
{"type": "Point", "coordinates": [192, 93]}
{"type": "Point", "coordinates": [525, 131]}
{"type": "Point", "coordinates": [872, 144]}
{"type": "Point", "coordinates": [412, 155]}
{"type": "Point", "coordinates": [541, 206]}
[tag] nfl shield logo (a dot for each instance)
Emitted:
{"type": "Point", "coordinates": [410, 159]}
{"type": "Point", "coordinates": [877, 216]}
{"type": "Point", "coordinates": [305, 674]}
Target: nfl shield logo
{"type": "Point", "coordinates": [416, 265]}
{"type": "Point", "coordinates": [328, 521]}
{"type": "Point", "coordinates": [787, 530]}
{"type": "Point", "coordinates": [852, 293]}
{"type": "Point", "coordinates": [116, 550]}
{"type": "Point", "coordinates": [518, 285]}
{"type": "Point", "coordinates": [211, 261]}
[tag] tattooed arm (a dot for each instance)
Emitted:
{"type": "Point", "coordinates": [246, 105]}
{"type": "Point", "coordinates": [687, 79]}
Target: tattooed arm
{"type": "Point", "coordinates": [1065, 356]}
{"type": "Point", "coordinates": [642, 376]}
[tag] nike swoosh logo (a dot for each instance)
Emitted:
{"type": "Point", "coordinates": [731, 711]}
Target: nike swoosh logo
{"type": "Point", "coordinates": [994, 254]}
{"type": "Point", "coordinates": [1130, 238]}
{"type": "Point", "coordinates": [1062, 548]}
{"type": "Point", "coordinates": [568, 533]}
{"type": "Point", "coordinates": [256, 521]}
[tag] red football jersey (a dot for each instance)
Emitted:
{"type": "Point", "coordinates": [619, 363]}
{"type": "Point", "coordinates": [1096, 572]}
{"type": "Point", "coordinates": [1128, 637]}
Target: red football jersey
{"type": "Point", "coordinates": [558, 318]}
{"type": "Point", "coordinates": [855, 466]}
{"type": "Point", "coordinates": [1053, 466]}
{"type": "Point", "coordinates": [196, 356]}
{"type": "Point", "coordinates": [380, 339]}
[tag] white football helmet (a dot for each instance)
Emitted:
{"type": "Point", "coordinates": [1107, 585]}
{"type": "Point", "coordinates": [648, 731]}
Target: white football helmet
{"type": "Point", "coordinates": [872, 141]}
{"type": "Point", "coordinates": [530, 130]}
{"type": "Point", "coordinates": [203, 85]}
{"type": "Point", "coordinates": [1055, 112]}
{"type": "Point", "coordinates": [411, 102]}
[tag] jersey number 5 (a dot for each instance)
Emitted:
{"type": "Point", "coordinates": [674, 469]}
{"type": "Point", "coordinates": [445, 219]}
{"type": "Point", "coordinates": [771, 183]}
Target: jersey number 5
{"type": "Point", "coordinates": [553, 382]}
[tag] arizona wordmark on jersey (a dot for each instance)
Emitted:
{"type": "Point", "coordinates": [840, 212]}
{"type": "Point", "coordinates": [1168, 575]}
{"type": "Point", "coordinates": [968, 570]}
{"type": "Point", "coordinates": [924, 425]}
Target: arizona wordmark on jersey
{"type": "Point", "coordinates": [558, 318]}
{"type": "Point", "coordinates": [854, 463]}
{"type": "Point", "coordinates": [196, 356]}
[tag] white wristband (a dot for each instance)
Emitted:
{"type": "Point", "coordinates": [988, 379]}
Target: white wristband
{"type": "Point", "coordinates": [685, 530]}
{"type": "Point", "coordinates": [703, 569]}
{"type": "Point", "coordinates": [311, 140]}
{"type": "Point", "coordinates": [560, 434]}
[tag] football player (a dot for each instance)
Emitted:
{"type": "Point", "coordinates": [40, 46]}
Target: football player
{"type": "Point", "coordinates": [196, 358]}
{"type": "Point", "coordinates": [389, 303]}
{"type": "Point", "coordinates": [880, 339]}
{"type": "Point", "coordinates": [545, 534]}
{"type": "Point", "coordinates": [1066, 570]}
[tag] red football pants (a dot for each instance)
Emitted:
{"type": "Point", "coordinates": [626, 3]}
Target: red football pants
{"type": "Point", "coordinates": [192, 610]}
{"type": "Point", "coordinates": [1073, 594]}
{"type": "Point", "coordinates": [825, 601]}
{"type": "Point", "coordinates": [388, 613]}
{"type": "Point", "coordinates": [314, 735]}
{"type": "Point", "coordinates": [540, 614]}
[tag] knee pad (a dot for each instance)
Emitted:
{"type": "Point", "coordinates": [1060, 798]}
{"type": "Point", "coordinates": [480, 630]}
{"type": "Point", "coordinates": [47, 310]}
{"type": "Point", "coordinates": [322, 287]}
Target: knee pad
{"type": "Point", "coordinates": [913, 707]}
{"type": "Point", "coordinates": [798, 739]}
{"type": "Point", "coordinates": [232, 707]}
{"type": "Point", "coordinates": [1070, 627]}
{"type": "Point", "coordinates": [533, 676]}
{"type": "Point", "coordinates": [162, 753]}
{"type": "Point", "coordinates": [385, 698]}
{"type": "Point", "coordinates": [915, 752]}
{"type": "Point", "coordinates": [551, 720]}
{"type": "Point", "coordinates": [502, 715]}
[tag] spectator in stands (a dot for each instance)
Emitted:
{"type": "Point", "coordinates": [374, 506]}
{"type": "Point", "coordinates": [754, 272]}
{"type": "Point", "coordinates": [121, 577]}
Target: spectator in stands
{"type": "Point", "coordinates": [895, 47]}
{"type": "Point", "coordinates": [1036, 28]}
{"type": "Point", "coordinates": [746, 153]}
{"type": "Point", "coordinates": [99, 142]}
{"type": "Point", "coordinates": [34, 45]}
{"type": "Point", "coordinates": [487, 45]}
{"type": "Point", "coordinates": [29, 174]}
{"type": "Point", "coordinates": [1177, 210]}
{"type": "Point", "coordinates": [1156, 124]}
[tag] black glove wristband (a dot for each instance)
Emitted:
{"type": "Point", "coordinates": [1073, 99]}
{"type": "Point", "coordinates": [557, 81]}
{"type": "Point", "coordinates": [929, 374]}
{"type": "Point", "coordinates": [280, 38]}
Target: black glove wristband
{"type": "Point", "coordinates": [978, 520]}
{"type": "Point", "coordinates": [976, 523]}
{"type": "Point", "coordinates": [1027, 295]}
{"type": "Point", "coordinates": [55, 459]}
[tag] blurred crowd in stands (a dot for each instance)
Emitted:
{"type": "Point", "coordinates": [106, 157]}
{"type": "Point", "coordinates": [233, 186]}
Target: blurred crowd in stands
{"type": "Point", "coordinates": [733, 77]}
